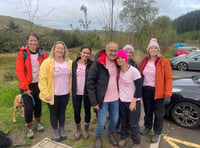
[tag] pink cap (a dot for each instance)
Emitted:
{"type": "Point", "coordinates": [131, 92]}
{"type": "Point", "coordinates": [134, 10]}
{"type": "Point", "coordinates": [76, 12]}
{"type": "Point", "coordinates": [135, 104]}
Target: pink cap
{"type": "Point", "coordinates": [153, 42]}
{"type": "Point", "coordinates": [122, 54]}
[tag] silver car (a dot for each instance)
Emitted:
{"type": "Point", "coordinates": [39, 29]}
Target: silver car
{"type": "Point", "coordinates": [187, 62]}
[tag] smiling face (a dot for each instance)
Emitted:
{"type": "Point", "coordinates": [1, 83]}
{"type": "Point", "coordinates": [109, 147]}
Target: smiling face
{"type": "Point", "coordinates": [32, 43]}
{"type": "Point", "coordinates": [85, 54]}
{"type": "Point", "coordinates": [59, 51]}
{"type": "Point", "coordinates": [121, 61]}
{"type": "Point", "coordinates": [129, 53]}
{"type": "Point", "coordinates": [111, 51]}
{"type": "Point", "coordinates": [153, 51]}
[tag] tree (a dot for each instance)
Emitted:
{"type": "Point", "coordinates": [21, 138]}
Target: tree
{"type": "Point", "coordinates": [12, 26]}
{"type": "Point", "coordinates": [138, 14]}
{"type": "Point", "coordinates": [84, 22]}
{"type": "Point", "coordinates": [30, 8]}
{"type": "Point", "coordinates": [109, 19]}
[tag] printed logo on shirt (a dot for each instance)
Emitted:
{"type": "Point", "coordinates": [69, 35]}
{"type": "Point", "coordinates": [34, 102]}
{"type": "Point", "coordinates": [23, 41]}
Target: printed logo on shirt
{"type": "Point", "coordinates": [60, 69]}
{"type": "Point", "coordinates": [150, 68]}
{"type": "Point", "coordinates": [80, 71]}
{"type": "Point", "coordinates": [123, 82]}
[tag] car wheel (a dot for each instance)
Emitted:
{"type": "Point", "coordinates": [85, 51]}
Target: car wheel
{"type": "Point", "coordinates": [186, 114]}
{"type": "Point", "coordinates": [182, 66]}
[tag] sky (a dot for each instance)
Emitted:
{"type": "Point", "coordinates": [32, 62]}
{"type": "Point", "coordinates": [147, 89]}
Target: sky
{"type": "Point", "coordinates": [60, 14]}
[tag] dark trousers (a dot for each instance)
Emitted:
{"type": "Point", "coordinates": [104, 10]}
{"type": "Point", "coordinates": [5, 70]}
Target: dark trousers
{"type": "Point", "coordinates": [57, 111]}
{"type": "Point", "coordinates": [153, 106]}
{"type": "Point", "coordinates": [29, 107]}
{"type": "Point", "coordinates": [130, 121]}
{"type": "Point", "coordinates": [77, 103]}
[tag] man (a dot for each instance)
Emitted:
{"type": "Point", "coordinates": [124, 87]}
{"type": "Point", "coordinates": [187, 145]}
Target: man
{"type": "Point", "coordinates": [103, 91]}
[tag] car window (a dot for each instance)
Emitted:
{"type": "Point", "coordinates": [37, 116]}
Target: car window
{"type": "Point", "coordinates": [192, 54]}
{"type": "Point", "coordinates": [197, 57]}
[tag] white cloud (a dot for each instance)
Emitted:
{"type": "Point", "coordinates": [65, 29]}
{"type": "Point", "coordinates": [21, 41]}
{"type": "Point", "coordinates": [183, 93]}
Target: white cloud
{"type": "Point", "coordinates": [68, 11]}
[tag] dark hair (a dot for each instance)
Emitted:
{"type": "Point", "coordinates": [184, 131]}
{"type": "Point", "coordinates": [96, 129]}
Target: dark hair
{"type": "Point", "coordinates": [32, 34]}
{"type": "Point", "coordinates": [83, 47]}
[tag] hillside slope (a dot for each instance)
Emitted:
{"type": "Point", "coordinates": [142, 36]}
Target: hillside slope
{"type": "Point", "coordinates": [23, 24]}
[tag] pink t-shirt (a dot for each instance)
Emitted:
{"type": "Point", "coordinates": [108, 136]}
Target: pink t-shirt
{"type": "Point", "coordinates": [61, 78]}
{"type": "Point", "coordinates": [126, 84]}
{"type": "Point", "coordinates": [35, 65]}
{"type": "Point", "coordinates": [80, 79]}
{"type": "Point", "coordinates": [112, 90]}
{"type": "Point", "coordinates": [149, 74]}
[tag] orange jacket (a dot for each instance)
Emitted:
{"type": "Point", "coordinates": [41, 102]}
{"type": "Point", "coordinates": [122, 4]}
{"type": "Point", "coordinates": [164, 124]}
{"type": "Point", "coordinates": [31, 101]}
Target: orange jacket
{"type": "Point", "coordinates": [163, 80]}
{"type": "Point", "coordinates": [23, 68]}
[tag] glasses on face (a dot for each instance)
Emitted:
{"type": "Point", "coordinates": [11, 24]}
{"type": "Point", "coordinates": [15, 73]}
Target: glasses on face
{"type": "Point", "coordinates": [112, 51]}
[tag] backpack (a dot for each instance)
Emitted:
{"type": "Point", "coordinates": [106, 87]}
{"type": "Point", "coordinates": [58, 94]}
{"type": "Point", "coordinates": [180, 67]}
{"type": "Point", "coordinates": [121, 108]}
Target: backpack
{"type": "Point", "coordinates": [39, 52]}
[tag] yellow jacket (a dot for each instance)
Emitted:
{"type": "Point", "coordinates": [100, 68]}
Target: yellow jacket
{"type": "Point", "coordinates": [46, 79]}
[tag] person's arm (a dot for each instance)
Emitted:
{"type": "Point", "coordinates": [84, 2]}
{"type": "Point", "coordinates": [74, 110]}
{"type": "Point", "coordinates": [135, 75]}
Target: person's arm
{"type": "Point", "coordinates": [168, 79]}
{"type": "Point", "coordinates": [20, 72]}
{"type": "Point", "coordinates": [92, 84]}
{"type": "Point", "coordinates": [70, 78]}
{"type": "Point", "coordinates": [43, 82]}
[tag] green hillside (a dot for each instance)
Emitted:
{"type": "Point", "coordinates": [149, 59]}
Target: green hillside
{"type": "Point", "coordinates": [23, 24]}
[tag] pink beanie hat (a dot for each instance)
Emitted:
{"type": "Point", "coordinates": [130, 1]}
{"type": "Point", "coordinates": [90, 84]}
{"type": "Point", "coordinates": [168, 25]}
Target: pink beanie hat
{"type": "Point", "coordinates": [128, 46]}
{"type": "Point", "coordinates": [122, 54]}
{"type": "Point", "coordinates": [153, 43]}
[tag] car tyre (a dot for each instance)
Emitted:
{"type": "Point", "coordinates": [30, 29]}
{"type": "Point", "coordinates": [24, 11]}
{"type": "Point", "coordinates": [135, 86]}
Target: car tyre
{"type": "Point", "coordinates": [186, 114]}
{"type": "Point", "coordinates": [182, 66]}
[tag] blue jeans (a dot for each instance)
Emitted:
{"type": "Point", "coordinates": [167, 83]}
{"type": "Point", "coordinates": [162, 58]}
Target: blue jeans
{"type": "Point", "coordinates": [113, 109]}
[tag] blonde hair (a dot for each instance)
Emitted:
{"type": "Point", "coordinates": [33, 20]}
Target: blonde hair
{"type": "Point", "coordinates": [65, 48]}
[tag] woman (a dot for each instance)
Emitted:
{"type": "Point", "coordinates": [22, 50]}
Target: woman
{"type": "Point", "coordinates": [130, 52]}
{"type": "Point", "coordinates": [157, 84]}
{"type": "Point", "coordinates": [28, 64]}
{"type": "Point", "coordinates": [130, 93]}
{"type": "Point", "coordinates": [54, 84]}
{"type": "Point", "coordinates": [80, 68]}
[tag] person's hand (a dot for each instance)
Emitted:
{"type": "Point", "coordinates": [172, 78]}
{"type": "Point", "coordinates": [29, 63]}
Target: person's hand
{"type": "Point", "coordinates": [27, 92]}
{"type": "Point", "coordinates": [96, 107]}
{"type": "Point", "coordinates": [48, 98]}
{"type": "Point", "coordinates": [132, 105]}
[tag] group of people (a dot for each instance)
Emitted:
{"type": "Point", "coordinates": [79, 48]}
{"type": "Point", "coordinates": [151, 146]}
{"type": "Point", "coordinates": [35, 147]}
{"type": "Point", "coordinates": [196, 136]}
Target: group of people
{"type": "Point", "coordinates": [112, 84]}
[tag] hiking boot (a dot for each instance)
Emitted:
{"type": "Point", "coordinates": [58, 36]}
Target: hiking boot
{"type": "Point", "coordinates": [78, 132]}
{"type": "Point", "coordinates": [144, 131]}
{"type": "Point", "coordinates": [86, 130]}
{"type": "Point", "coordinates": [122, 143]}
{"type": "Point", "coordinates": [135, 146]}
{"type": "Point", "coordinates": [30, 133]}
{"type": "Point", "coordinates": [39, 126]}
{"type": "Point", "coordinates": [98, 142]}
{"type": "Point", "coordinates": [155, 138]}
{"type": "Point", "coordinates": [112, 139]}
{"type": "Point", "coordinates": [63, 135]}
{"type": "Point", "coordinates": [56, 135]}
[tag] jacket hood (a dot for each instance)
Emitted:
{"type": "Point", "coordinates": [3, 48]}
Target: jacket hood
{"type": "Point", "coordinates": [101, 57]}
{"type": "Point", "coordinates": [22, 49]}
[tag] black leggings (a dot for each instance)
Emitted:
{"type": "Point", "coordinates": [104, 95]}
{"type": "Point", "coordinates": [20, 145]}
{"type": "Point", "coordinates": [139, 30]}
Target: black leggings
{"type": "Point", "coordinates": [57, 111]}
{"type": "Point", "coordinates": [77, 102]}
{"type": "Point", "coordinates": [29, 107]}
{"type": "Point", "coordinates": [152, 106]}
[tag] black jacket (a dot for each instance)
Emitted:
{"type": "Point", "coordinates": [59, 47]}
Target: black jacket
{"type": "Point", "coordinates": [133, 63]}
{"type": "Point", "coordinates": [74, 82]}
{"type": "Point", "coordinates": [98, 78]}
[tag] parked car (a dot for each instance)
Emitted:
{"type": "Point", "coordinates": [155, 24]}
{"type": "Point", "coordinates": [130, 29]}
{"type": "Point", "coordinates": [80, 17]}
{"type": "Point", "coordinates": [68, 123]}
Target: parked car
{"type": "Point", "coordinates": [184, 50]}
{"type": "Point", "coordinates": [190, 61]}
{"type": "Point", "coordinates": [184, 105]}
